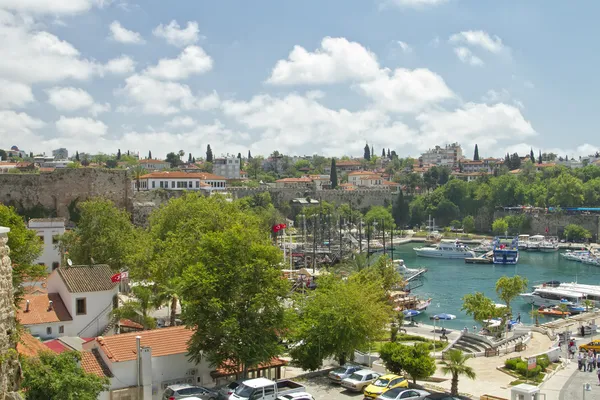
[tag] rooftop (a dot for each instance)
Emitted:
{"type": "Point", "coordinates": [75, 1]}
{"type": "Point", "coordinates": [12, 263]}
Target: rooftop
{"type": "Point", "coordinates": [183, 175]}
{"type": "Point", "coordinates": [92, 363]}
{"type": "Point", "coordinates": [152, 161]}
{"type": "Point", "coordinates": [29, 346]}
{"type": "Point", "coordinates": [39, 310]}
{"type": "Point", "coordinates": [86, 278]}
{"type": "Point", "coordinates": [164, 342]}
{"type": "Point", "coordinates": [294, 180]}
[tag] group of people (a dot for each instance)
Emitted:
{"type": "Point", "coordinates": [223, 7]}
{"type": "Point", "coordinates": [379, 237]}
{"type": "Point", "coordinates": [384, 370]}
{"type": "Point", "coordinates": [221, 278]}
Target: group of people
{"type": "Point", "coordinates": [587, 361]}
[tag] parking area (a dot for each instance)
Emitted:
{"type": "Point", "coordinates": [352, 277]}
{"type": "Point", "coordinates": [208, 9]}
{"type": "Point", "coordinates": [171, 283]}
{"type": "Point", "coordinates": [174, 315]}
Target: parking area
{"type": "Point", "coordinates": [322, 389]}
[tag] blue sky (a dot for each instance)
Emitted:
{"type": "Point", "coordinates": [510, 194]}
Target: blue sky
{"type": "Point", "coordinates": [299, 77]}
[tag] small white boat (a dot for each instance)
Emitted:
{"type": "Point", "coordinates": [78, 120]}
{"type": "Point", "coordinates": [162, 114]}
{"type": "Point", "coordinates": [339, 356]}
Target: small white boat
{"type": "Point", "coordinates": [549, 245]}
{"type": "Point", "coordinates": [575, 255]}
{"type": "Point", "coordinates": [523, 239]}
{"type": "Point", "coordinates": [534, 242]}
{"type": "Point", "coordinates": [446, 249]}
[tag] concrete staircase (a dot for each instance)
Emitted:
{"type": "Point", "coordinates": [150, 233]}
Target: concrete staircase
{"type": "Point", "coordinates": [471, 345]}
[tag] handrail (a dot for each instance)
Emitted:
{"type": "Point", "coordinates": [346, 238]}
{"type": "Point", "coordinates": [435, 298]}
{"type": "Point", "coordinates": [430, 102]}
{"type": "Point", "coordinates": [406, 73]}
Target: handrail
{"type": "Point", "coordinates": [101, 314]}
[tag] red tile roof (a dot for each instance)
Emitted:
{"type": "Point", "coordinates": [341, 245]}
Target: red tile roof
{"type": "Point", "coordinates": [92, 363]}
{"type": "Point", "coordinates": [183, 175]}
{"type": "Point", "coordinates": [29, 346]}
{"type": "Point", "coordinates": [164, 342]}
{"type": "Point", "coordinates": [294, 180]}
{"type": "Point", "coordinates": [230, 369]}
{"type": "Point", "coordinates": [148, 161]}
{"type": "Point", "coordinates": [347, 163]}
{"type": "Point", "coordinates": [57, 346]}
{"type": "Point", "coordinates": [127, 323]}
{"type": "Point", "coordinates": [39, 312]}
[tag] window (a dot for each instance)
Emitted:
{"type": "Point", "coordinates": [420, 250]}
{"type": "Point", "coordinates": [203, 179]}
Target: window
{"type": "Point", "coordinates": [190, 184]}
{"type": "Point", "coordinates": [55, 239]}
{"type": "Point", "coordinates": [197, 184]}
{"type": "Point", "coordinates": [48, 330]}
{"type": "Point", "coordinates": [154, 184]}
{"type": "Point", "coordinates": [229, 162]}
{"type": "Point", "coordinates": [80, 305]}
{"type": "Point", "coordinates": [269, 391]}
{"type": "Point", "coordinates": [61, 329]}
{"type": "Point", "coordinates": [41, 237]}
{"type": "Point", "coordinates": [172, 184]}
{"type": "Point", "coordinates": [55, 265]}
{"type": "Point", "coordinates": [161, 184]}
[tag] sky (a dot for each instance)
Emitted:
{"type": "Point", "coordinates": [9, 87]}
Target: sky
{"type": "Point", "coordinates": [300, 77]}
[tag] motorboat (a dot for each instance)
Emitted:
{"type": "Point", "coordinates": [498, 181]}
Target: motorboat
{"type": "Point", "coordinates": [575, 255]}
{"type": "Point", "coordinates": [446, 249]}
{"type": "Point", "coordinates": [423, 304]}
{"type": "Point", "coordinates": [534, 242]}
{"type": "Point", "coordinates": [484, 247]}
{"type": "Point", "coordinates": [523, 239]}
{"type": "Point", "coordinates": [549, 245]}
{"type": "Point", "coordinates": [590, 292]}
{"type": "Point", "coordinates": [553, 311]}
{"type": "Point", "coordinates": [552, 296]}
{"type": "Point", "coordinates": [408, 274]}
{"type": "Point", "coordinates": [506, 250]}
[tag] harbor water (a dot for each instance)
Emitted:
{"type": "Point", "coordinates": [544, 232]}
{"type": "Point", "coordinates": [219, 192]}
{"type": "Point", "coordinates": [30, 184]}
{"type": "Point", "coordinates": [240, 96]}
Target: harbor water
{"type": "Point", "coordinates": [447, 281]}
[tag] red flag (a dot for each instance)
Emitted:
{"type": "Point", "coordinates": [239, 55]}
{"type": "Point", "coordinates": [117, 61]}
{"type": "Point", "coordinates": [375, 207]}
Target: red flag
{"type": "Point", "coordinates": [283, 226]}
{"type": "Point", "coordinates": [116, 278]}
{"type": "Point", "coordinates": [546, 229]}
{"type": "Point", "coordinates": [276, 228]}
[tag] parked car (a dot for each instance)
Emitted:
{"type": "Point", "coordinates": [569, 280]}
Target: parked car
{"type": "Point", "coordinates": [341, 373]}
{"type": "Point", "coordinates": [404, 394]}
{"type": "Point", "coordinates": [265, 389]}
{"type": "Point", "coordinates": [226, 391]}
{"type": "Point", "coordinates": [385, 383]}
{"type": "Point", "coordinates": [296, 396]}
{"type": "Point", "coordinates": [360, 380]}
{"type": "Point", "coordinates": [175, 392]}
{"type": "Point", "coordinates": [445, 396]}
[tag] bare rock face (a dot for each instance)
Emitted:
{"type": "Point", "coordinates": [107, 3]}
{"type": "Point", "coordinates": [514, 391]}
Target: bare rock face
{"type": "Point", "coordinates": [10, 370]}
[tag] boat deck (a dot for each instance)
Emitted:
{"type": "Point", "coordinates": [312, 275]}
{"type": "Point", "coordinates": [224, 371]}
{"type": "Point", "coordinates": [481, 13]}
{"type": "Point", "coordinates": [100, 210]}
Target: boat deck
{"type": "Point", "coordinates": [482, 259]}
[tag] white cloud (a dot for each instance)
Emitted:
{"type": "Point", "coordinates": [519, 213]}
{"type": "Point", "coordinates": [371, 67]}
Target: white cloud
{"type": "Point", "coordinates": [69, 98]}
{"type": "Point", "coordinates": [54, 7]}
{"type": "Point", "coordinates": [479, 39]}
{"type": "Point", "coordinates": [15, 125]}
{"type": "Point", "coordinates": [98, 109]}
{"type": "Point", "coordinates": [407, 90]}
{"type": "Point", "coordinates": [120, 34]}
{"type": "Point", "coordinates": [177, 36]}
{"type": "Point", "coordinates": [193, 60]}
{"type": "Point", "coordinates": [417, 4]}
{"type": "Point", "coordinates": [120, 66]}
{"type": "Point", "coordinates": [466, 56]}
{"type": "Point", "coordinates": [519, 104]}
{"type": "Point", "coordinates": [337, 60]}
{"type": "Point", "coordinates": [529, 85]}
{"type": "Point", "coordinates": [405, 47]}
{"type": "Point", "coordinates": [181, 122]}
{"type": "Point", "coordinates": [496, 96]}
{"type": "Point", "coordinates": [81, 128]}
{"type": "Point", "coordinates": [14, 94]}
{"type": "Point", "coordinates": [32, 56]}
{"type": "Point", "coordinates": [208, 102]}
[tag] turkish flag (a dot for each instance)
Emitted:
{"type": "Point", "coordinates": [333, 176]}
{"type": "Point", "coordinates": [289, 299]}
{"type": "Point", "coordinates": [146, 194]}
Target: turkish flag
{"type": "Point", "coordinates": [283, 226]}
{"type": "Point", "coordinates": [276, 228]}
{"type": "Point", "coordinates": [116, 278]}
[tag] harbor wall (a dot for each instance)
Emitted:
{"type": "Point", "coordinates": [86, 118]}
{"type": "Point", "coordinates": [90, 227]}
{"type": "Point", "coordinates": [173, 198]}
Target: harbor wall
{"type": "Point", "coordinates": [556, 223]}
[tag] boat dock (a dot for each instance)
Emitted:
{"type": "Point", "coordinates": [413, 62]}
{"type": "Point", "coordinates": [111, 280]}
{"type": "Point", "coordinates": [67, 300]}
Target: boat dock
{"type": "Point", "coordinates": [482, 259]}
{"type": "Point", "coordinates": [415, 275]}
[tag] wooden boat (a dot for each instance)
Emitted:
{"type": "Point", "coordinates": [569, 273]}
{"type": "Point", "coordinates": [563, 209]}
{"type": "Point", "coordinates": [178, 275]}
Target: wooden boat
{"type": "Point", "coordinates": [553, 311]}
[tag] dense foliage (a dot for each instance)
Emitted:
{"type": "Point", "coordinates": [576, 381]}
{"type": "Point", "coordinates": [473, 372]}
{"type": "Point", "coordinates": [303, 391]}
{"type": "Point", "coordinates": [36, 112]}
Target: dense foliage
{"type": "Point", "coordinates": [414, 360]}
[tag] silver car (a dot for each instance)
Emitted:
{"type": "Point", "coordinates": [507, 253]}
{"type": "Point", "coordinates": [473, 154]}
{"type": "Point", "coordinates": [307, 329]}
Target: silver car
{"type": "Point", "coordinates": [228, 390]}
{"type": "Point", "coordinates": [175, 392]}
{"type": "Point", "coordinates": [404, 394]}
{"type": "Point", "coordinates": [341, 373]}
{"type": "Point", "coordinates": [359, 380]}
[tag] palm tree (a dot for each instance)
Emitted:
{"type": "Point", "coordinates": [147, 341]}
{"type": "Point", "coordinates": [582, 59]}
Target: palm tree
{"type": "Point", "coordinates": [137, 309]}
{"type": "Point", "coordinates": [588, 304]}
{"type": "Point", "coordinates": [535, 314]}
{"type": "Point", "coordinates": [138, 171]}
{"type": "Point", "coordinates": [354, 264]}
{"type": "Point", "coordinates": [563, 307]}
{"type": "Point", "coordinates": [455, 363]}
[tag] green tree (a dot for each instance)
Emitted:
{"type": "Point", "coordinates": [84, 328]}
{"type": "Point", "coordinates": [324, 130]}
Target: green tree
{"type": "Point", "coordinates": [137, 309]}
{"type": "Point", "coordinates": [111, 163]}
{"type": "Point", "coordinates": [576, 232]}
{"type": "Point", "coordinates": [173, 159]}
{"type": "Point", "coordinates": [209, 154]}
{"type": "Point", "coordinates": [382, 272]}
{"type": "Point", "coordinates": [500, 226]}
{"type": "Point", "coordinates": [455, 363]}
{"type": "Point", "coordinates": [3, 155]}
{"type": "Point", "coordinates": [231, 297]}
{"type": "Point", "coordinates": [400, 210]}
{"type": "Point", "coordinates": [539, 161]}
{"type": "Point", "coordinates": [379, 214]}
{"type": "Point", "coordinates": [414, 360]}
{"type": "Point", "coordinates": [254, 166]}
{"type": "Point", "coordinates": [591, 192]}
{"type": "Point", "coordinates": [468, 224]}
{"type": "Point", "coordinates": [476, 154]}
{"type": "Point", "coordinates": [104, 235]}
{"type": "Point", "coordinates": [339, 317]}
{"type": "Point", "coordinates": [149, 154]}
{"type": "Point", "coordinates": [59, 376]}
{"type": "Point", "coordinates": [333, 174]}
{"type": "Point", "coordinates": [480, 307]}
{"type": "Point", "coordinates": [535, 315]}
{"type": "Point", "coordinates": [119, 154]}
{"type": "Point", "coordinates": [77, 155]}
{"type": "Point", "coordinates": [367, 153]}
{"type": "Point", "coordinates": [138, 171]}
{"type": "Point", "coordinates": [508, 288]}
{"type": "Point", "coordinates": [565, 191]}
{"type": "Point", "coordinates": [531, 156]}
{"type": "Point", "coordinates": [25, 247]}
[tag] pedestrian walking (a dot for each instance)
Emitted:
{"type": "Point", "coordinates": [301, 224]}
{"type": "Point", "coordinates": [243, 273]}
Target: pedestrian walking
{"type": "Point", "coordinates": [591, 363]}
{"type": "Point", "coordinates": [580, 361]}
{"type": "Point", "coordinates": [474, 328]}
{"type": "Point", "coordinates": [519, 318]}
{"type": "Point", "coordinates": [598, 373]}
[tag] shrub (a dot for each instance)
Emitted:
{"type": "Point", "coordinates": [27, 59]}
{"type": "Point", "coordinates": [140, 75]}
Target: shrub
{"type": "Point", "coordinates": [521, 367]}
{"type": "Point", "coordinates": [511, 363]}
{"type": "Point", "coordinates": [543, 361]}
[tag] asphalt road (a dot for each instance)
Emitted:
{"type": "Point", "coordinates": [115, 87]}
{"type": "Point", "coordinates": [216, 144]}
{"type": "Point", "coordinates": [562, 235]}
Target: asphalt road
{"type": "Point", "coordinates": [322, 389]}
{"type": "Point", "coordinates": [573, 389]}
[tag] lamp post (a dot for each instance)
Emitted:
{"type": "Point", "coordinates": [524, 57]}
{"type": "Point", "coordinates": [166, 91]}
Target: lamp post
{"type": "Point", "coordinates": [383, 230]}
{"type": "Point", "coordinates": [586, 388]}
{"type": "Point", "coordinates": [314, 260]}
{"type": "Point", "coordinates": [341, 240]}
{"type": "Point", "coordinates": [360, 235]}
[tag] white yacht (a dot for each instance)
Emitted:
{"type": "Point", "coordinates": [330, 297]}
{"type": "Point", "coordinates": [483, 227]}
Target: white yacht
{"type": "Point", "coordinates": [552, 296]}
{"type": "Point", "coordinates": [523, 239]}
{"type": "Point", "coordinates": [446, 249]}
{"type": "Point", "coordinates": [534, 242]}
{"type": "Point", "coordinates": [590, 292]}
{"type": "Point", "coordinates": [575, 255]}
{"type": "Point", "coordinates": [549, 245]}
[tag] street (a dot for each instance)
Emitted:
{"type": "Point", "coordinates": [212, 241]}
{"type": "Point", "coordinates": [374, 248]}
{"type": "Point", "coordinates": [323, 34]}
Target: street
{"type": "Point", "coordinates": [573, 389]}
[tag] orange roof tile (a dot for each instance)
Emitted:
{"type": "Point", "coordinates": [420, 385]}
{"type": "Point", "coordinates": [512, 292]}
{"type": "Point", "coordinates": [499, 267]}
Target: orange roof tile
{"type": "Point", "coordinates": [347, 163]}
{"type": "Point", "coordinates": [294, 180]}
{"type": "Point", "coordinates": [371, 177]}
{"type": "Point", "coordinates": [92, 363]}
{"type": "Point", "coordinates": [30, 346]}
{"type": "Point", "coordinates": [38, 309]}
{"type": "Point", "coordinates": [127, 323]}
{"type": "Point", "coordinates": [164, 342]}
{"type": "Point", "coordinates": [388, 183]}
{"type": "Point", "coordinates": [183, 175]}
{"type": "Point", "coordinates": [228, 368]}
{"type": "Point", "coordinates": [148, 161]}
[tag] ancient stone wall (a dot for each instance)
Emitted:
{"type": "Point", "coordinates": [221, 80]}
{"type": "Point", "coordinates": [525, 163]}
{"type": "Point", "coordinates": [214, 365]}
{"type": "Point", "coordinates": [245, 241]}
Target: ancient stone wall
{"type": "Point", "coordinates": [55, 193]}
{"type": "Point", "coordinates": [556, 223]}
{"type": "Point", "coordinates": [9, 364]}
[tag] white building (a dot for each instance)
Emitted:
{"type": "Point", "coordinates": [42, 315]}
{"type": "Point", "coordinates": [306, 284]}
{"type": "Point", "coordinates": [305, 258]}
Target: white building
{"type": "Point", "coordinates": [60, 154]}
{"type": "Point", "coordinates": [155, 165]}
{"type": "Point", "coordinates": [447, 156]}
{"type": "Point", "coordinates": [182, 181]}
{"type": "Point", "coordinates": [228, 167]}
{"type": "Point", "coordinates": [163, 361]}
{"type": "Point", "coordinates": [78, 302]}
{"type": "Point", "coordinates": [365, 179]}
{"type": "Point", "coordinates": [48, 230]}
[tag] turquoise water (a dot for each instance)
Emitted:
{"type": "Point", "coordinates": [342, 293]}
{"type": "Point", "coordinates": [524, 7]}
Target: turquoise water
{"type": "Point", "coordinates": [447, 281]}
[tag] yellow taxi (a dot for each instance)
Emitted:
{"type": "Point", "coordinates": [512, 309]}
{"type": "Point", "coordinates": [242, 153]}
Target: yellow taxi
{"type": "Point", "coordinates": [383, 384]}
{"type": "Point", "coordinates": [595, 345]}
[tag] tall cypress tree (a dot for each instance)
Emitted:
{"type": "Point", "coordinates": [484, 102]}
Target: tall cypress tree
{"type": "Point", "coordinates": [150, 155]}
{"type": "Point", "coordinates": [209, 154]}
{"type": "Point", "coordinates": [372, 151]}
{"type": "Point", "coordinates": [531, 156]}
{"type": "Point", "coordinates": [77, 155]}
{"type": "Point", "coordinates": [119, 154]}
{"type": "Point", "coordinates": [189, 158]}
{"type": "Point", "coordinates": [249, 155]}
{"type": "Point", "coordinates": [476, 154]}
{"type": "Point", "coordinates": [239, 156]}
{"type": "Point", "coordinates": [389, 155]}
{"type": "Point", "coordinates": [540, 158]}
{"type": "Point", "coordinates": [333, 175]}
{"type": "Point", "coordinates": [367, 155]}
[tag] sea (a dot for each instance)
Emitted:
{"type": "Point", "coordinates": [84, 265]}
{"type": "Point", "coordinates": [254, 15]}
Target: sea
{"type": "Point", "coordinates": [447, 281]}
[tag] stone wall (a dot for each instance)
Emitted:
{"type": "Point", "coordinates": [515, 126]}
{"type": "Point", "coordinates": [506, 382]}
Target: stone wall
{"type": "Point", "coordinates": [9, 364]}
{"type": "Point", "coordinates": [52, 194]}
{"type": "Point", "coordinates": [556, 223]}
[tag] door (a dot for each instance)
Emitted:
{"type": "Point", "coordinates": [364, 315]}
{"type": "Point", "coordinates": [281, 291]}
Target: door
{"type": "Point", "coordinates": [269, 393]}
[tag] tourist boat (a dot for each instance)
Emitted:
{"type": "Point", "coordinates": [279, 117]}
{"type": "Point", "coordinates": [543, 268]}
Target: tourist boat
{"type": "Point", "coordinates": [506, 250]}
{"type": "Point", "coordinates": [405, 301]}
{"type": "Point", "coordinates": [590, 292]}
{"type": "Point", "coordinates": [534, 242]}
{"type": "Point", "coordinates": [575, 255]}
{"type": "Point", "coordinates": [549, 245]}
{"type": "Point", "coordinates": [423, 304]}
{"type": "Point", "coordinates": [523, 239]}
{"type": "Point", "coordinates": [446, 249]}
{"type": "Point", "coordinates": [553, 311]}
{"type": "Point", "coordinates": [552, 296]}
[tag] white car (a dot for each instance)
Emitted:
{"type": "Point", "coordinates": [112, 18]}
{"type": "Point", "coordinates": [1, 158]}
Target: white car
{"type": "Point", "coordinates": [359, 380]}
{"type": "Point", "coordinates": [404, 394]}
{"type": "Point", "coordinates": [296, 396]}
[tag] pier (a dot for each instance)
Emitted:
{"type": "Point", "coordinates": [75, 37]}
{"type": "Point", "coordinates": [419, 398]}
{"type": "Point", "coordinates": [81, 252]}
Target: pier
{"type": "Point", "coordinates": [482, 259]}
